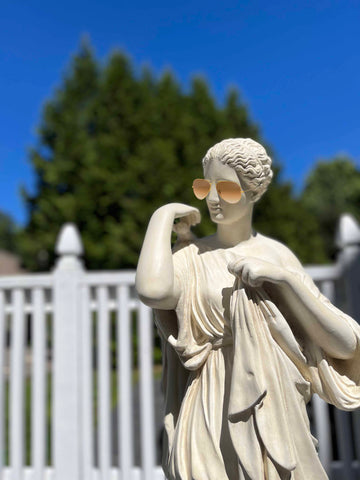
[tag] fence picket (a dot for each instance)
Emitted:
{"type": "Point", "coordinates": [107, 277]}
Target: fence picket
{"type": "Point", "coordinates": [343, 435]}
{"type": "Point", "coordinates": [356, 428]}
{"type": "Point", "coordinates": [2, 379]}
{"type": "Point", "coordinates": [327, 287]}
{"type": "Point", "coordinates": [17, 431]}
{"type": "Point", "coordinates": [103, 325]}
{"type": "Point", "coordinates": [145, 329]}
{"type": "Point", "coordinates": [323, 431]}
{"type": "Point", "coordinates": [125, 411]}
{"type": "Point", "coordinates": [38, 403]}
{"type": "Point", "coordinates": [86, 368]}
{"type": "Point", "coordinates": [321, 409]}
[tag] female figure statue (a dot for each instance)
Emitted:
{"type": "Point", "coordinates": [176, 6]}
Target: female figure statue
{"type": "Point", "coordinates": [247, 335]}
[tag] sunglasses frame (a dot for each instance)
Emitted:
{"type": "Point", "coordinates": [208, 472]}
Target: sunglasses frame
{"type": "Point", "coordinates": [219, 193]}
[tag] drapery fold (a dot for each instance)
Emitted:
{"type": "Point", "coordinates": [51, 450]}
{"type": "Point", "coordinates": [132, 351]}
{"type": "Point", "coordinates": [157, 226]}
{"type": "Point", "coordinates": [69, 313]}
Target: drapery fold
{"type": "Point", "coordinates": [270, 374]}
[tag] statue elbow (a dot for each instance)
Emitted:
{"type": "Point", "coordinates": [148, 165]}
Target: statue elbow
{"type": "Point", "coordinates": [155, 296]}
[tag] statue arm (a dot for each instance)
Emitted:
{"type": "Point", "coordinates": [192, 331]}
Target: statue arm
{"type": "Point", "coordinates": [322, 324]}
{"type": "Point", "coordinates": [155, 279]}
{"type": "Point", "coordinates": [305, 310]}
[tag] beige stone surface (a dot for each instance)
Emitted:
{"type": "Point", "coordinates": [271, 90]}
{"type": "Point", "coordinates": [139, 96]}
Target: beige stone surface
{"type": "Point", "coordinates": [247, 335]}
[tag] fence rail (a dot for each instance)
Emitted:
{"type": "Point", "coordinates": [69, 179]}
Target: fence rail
{"type": "Point", "coordinates": [77, 382]}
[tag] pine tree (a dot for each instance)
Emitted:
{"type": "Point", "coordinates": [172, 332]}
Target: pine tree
{"type": "Point", "coordinates": [332, 188]}
{"type": "Point", "coordinates": [7, 233]}
{"type": "Point", "coordinates": [114, 144]}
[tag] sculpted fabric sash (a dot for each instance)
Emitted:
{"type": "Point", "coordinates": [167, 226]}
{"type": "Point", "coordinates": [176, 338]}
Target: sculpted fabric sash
{"type": "Point", "coordinates": [258, 383]}
{"type": "Point", "coordinates": [271, 374]}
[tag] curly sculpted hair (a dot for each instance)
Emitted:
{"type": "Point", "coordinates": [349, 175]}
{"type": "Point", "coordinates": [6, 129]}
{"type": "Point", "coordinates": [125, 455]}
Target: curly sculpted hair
{"type": "Point", "coordinates": [248, 158]}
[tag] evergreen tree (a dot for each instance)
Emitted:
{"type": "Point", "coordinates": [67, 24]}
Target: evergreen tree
{"type": "Point", "coordinates": [284, 217]}
{"type": "Point", "coordinates": [7, 233]}
{"type": "Point", "coordinates": [332, 188]}
{"type": "Point", "coordinates": [114, 144]}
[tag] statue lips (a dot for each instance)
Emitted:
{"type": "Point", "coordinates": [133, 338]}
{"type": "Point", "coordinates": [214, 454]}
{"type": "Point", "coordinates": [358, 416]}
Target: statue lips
{"type": "Point", "coordinates": [215, 210]}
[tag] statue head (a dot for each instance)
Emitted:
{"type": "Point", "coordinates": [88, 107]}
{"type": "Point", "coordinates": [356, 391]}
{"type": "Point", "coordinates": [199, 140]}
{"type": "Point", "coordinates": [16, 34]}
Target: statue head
{"type": "Point", "coordinates": [250, 161]}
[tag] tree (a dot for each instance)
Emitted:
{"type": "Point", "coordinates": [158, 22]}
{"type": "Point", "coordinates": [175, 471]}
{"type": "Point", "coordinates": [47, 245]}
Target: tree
{"type": "Point", "coordinates": [284, 217]}
{"type": "Point", "coordinates": [114, 144]}
{"type": "Point", "coordinates": [332, 188]}
{"type": "Point", "coordinates": [7, 233]}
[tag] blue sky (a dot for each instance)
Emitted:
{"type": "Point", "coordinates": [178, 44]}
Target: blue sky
{"type": "Point", "coordinates": [296, 64]}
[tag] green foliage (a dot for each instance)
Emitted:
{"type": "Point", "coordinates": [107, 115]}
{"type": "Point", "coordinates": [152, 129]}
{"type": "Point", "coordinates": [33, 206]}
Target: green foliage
{"type": "Point", "coordinates": [7, 233]}
{"type": "Point", "coordinates": [284, 217]}
{"type": "Point", "coordinates": [113, 145]}
{"type": "Point", "coordinates": [332, 188]}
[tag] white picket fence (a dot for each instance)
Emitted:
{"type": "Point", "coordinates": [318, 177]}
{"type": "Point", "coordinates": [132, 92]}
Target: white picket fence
{"type": "Point", "coordinates": [67, 381]}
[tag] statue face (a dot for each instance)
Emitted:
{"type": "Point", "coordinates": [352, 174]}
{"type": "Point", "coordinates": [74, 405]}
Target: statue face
{"type": "Point", "coordinates": [220, 210]}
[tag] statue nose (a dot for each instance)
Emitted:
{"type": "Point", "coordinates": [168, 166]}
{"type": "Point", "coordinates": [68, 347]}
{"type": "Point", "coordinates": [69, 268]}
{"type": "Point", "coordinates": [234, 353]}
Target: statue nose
{"type": "Point", "coordinates": [213, 194]}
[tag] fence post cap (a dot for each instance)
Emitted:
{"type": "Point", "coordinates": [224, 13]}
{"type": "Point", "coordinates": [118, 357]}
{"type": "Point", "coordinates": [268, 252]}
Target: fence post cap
{"type": "Point", "coordinates": [348, 231]}
{"type": "Point", "coordinates": [69, 241]}
{"type": "Point", "coordinates": [69, 247]}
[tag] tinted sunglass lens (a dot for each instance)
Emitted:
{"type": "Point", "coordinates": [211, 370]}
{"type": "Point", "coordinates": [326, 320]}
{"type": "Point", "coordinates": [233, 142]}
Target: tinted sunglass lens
{"type": "Point", "coordinates": [201, 188]}
{"type": "Point", "coordinates": [229, 191]}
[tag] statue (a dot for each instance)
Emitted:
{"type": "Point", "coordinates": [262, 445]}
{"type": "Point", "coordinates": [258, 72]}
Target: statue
{"type": "Point", "coordinates": [247, 335]}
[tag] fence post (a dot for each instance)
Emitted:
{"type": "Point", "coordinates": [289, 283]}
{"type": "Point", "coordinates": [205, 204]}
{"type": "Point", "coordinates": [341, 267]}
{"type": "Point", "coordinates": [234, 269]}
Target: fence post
{"type": "Point", "coordinates": [348, 241]}
{"type": "Point", "coordinates": [66, 399]}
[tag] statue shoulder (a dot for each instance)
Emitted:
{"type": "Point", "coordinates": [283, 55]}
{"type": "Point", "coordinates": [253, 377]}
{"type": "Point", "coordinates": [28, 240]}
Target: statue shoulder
{"type": "Point", "coordinates": [281, 253]}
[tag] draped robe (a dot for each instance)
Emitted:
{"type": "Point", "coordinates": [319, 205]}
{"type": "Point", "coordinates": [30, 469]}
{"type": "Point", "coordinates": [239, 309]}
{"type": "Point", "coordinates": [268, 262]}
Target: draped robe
{"type": "Point", "coordinates": [238, 374]}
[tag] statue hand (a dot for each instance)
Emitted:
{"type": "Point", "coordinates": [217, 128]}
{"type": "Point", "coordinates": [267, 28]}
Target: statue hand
{"type": "Point", "coordinates": [254, 271]}
{"type": "Point", "coordinates": [188, 214]}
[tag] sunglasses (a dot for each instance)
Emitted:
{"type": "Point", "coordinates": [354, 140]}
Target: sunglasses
{"type": "Point", "coordinates": [228, 191]}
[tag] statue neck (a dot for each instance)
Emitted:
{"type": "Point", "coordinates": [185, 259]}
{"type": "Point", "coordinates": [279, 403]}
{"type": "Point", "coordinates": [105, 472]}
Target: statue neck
{"type": "Point", "coordinates": [229, 235]}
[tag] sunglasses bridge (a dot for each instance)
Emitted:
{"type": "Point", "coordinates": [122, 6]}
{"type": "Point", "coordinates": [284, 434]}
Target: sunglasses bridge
{"type": "Point", "coordinates": [229, 191]}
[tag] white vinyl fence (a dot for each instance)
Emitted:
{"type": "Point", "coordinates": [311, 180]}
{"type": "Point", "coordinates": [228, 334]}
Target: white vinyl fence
{"type": "Point", "coordinates": [73, 406]}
